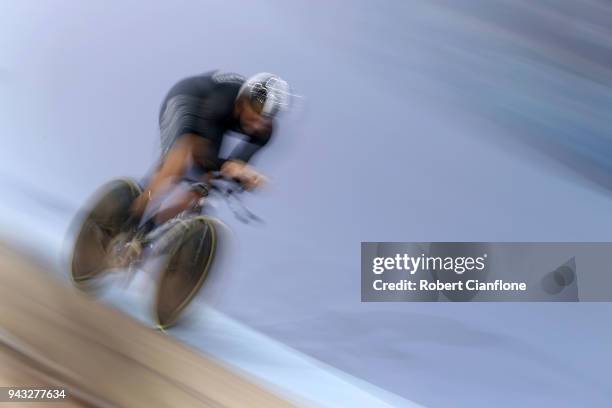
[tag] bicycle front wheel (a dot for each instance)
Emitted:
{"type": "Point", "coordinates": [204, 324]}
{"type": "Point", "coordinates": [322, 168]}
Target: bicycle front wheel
{"type": "Point", "coordinates": [186, 269]}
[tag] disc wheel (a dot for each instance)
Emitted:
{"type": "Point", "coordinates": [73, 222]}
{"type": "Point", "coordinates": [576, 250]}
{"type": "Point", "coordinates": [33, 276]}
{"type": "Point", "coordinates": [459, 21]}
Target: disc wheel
{"type": "Point", "coordinates": [185, 270]}
{"type": "Point", "coordinates": [107, 213]}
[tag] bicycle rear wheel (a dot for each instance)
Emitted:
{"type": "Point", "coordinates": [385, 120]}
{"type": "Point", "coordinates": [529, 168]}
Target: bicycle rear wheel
{"type": "Point", "coordinates": [185, 270]}
{"type": "Point", "coordinates": [107, 213]}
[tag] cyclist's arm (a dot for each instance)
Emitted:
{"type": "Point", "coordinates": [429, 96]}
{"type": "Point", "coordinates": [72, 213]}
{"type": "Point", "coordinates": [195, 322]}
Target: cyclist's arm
{"type": "Point", "coordinates": [235, 166]}
{"type": "Point", "coordinates": [246, 149]}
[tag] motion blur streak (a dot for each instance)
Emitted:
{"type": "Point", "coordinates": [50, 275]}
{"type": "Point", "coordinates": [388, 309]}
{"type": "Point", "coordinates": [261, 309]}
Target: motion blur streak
{"type": "Point", "coordinates": [428, 120]}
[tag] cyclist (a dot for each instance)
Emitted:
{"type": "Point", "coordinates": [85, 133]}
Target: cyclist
{"type": "Point", "coordinates": [195, 117]}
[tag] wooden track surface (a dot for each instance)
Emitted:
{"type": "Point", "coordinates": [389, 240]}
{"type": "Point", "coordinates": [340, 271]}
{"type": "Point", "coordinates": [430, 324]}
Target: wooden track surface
{"type": "Point", "coordinates": [53, 334]}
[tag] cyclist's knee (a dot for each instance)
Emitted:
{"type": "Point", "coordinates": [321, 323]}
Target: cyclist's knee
{"type": "Point", "coordinates": [174, 205]}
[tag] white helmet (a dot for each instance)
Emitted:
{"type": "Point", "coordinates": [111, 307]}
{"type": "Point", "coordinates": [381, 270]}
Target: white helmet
{"type": "Point", "coordinates": [267, 93]}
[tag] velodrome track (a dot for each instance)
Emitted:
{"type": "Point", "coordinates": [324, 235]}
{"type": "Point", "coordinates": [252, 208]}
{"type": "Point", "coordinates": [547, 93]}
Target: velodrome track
{"type": "Point", "coordinates": [51, 334]}
{"type": "Point", "coordinates": [56, 336]}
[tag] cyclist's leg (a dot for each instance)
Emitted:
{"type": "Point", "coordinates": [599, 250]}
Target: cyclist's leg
{"type": "Point", "coordinates": [183, 196]}
{"type": "Point", "coordinates": [179, 114]}
{"type": "Point", "coordinates": [177, 163]}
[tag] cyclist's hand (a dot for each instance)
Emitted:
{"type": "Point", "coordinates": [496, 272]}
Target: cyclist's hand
{"type": "Point", "coordinates": [245, 174]}
{"type": "Point", "coordinates": [252, 179]}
